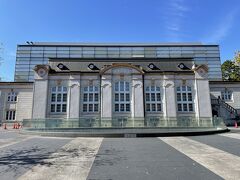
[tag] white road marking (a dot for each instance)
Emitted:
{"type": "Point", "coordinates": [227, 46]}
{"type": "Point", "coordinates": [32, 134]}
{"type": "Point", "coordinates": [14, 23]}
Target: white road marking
{"type": "Point", "coordinates": [220, 162]}
{"type": "Point", "coordinates": [12, 141]}
{"type": "Point", "coordinates": [72, 162]}
{"type": "Point", "coordinates": [231, 135]}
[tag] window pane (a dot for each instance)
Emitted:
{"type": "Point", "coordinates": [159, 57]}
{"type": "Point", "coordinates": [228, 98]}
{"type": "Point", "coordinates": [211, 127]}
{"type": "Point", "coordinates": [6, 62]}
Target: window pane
{"type": "Point", "coordinates": [189, 88]}
{"type": "Point", "coordinates": [90, 88]}
{"type": "Point", "coordinates": [52, 107]}
{"type": "Point", "coordinates": [59, 97]}
{"type": "Point", "coordinates": [121, 96]}
{"type": "Point", "coordinates": [121, 107]}
{"type": "Point", "coordinates": [116, 86]}
{"type": "Point", "coordinates": [147, 97]}
{"type": "Point", "coordinates": [179, 107]}
{"type": "Point", "coordinates": [96, 97]}
{"type": "Point", "coordinates": [53, 99]}
{"type": "Point", "coordinates": [64, 108]}
{"type": "Point", "coordinates": [7, 115]}
{"type": "Point", "coordinates": [85, 89]}
{"type": "Point", "coordinates": [184, 96]}
{"type": "Point", "coordinates": [185, 107]}
{"type": "Point", "coordinates": [85, 97]}
{"type": "Point", "coordinates": [84, 107]}
{"type": "Point", "coordinates": [152, 96]}
{"type": "Point", "coordinates": [15, 98]}
{"type": "Point", "coordinates": [178, 96]}
{"type": "Point", "coordinates": [64, 89]}
{"type": "Point", "coordinates": [116, 97]}
{"type": "Point", "coordinates": [158, 97]}
{"type": "Point", "coordinates": [96, 88]}
{"type": "Point", "coordinates": [58, 107]}
{"type": "Point", "coordinates": [190, 107]}
{"type": "Point", "coordinates": [90, 97]}
{"type": "Point", "coordinates": [59, 88]}
{"type": "Point", "coordinates": [127, 86]}
{"type": "Point", "coordinates": [183, 88]}
{"type": "Point", "coordinates": [152, 88]}
{"type": "Point", "coordinates": [178, 89]}
{"type": "Point", "coordinates": [64, 97]}
{"type": "Point", "coordinates": [159, 108]}
{"type": "Point", "coordinates": [157, 88]}
{"type": "Point", "coordinates": [127, 107]}
{"type": "Point", "coordinates": [54, 89]}
{"type": "Point", "coordinates": [95, 107]}
{"type": "Point", "coordinates": [13, 115]}
{"type": "Point", "coordinates": [127, 97]}
{"type": "Point", "coordinates": [147, 107]}
{"type": "Point", "coordinates": [90, 107]}
{"type": "Point", "coordinates": [116, 107]}
{"type": "Point", "coordinates": [147, 89]}
{"type": "Point", "coordinates": [153, 107]}
{"type": "Point", "coordinates": [189, 96]}
{"type": "Point", "coordinates": [121, 86]}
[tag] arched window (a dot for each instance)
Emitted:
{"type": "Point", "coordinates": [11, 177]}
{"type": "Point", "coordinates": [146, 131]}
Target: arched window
{"type": "Point", "coordinates": [90, 99]}
{"type": "Point", "coordinates": [122, 96]}
{"type": "Point", "coordinates": [59, 99]}
{"type": "Point", "coordinates": [184, 99]}
{"type": "Point", "coordinates": [12, 97]}
{"type": "Point", "coordinates": [153, 99]}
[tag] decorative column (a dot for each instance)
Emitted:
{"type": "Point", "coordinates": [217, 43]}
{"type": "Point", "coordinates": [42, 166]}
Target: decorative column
{"type": "Point", "coordinates": [40, 91]}
{"type": "Point", "coordinates": [169, 97]}
{"type": "Point", "coordinates": [137, 110]}
{"type": "Point", "coordinates": [74, 97]}
{"type": "Point", "coordinates": [106, 99]}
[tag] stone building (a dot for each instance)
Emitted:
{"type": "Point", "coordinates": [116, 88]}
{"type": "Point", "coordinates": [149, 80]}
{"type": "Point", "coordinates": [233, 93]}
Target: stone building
{"type": "Point", "coordinates": [118, 82]}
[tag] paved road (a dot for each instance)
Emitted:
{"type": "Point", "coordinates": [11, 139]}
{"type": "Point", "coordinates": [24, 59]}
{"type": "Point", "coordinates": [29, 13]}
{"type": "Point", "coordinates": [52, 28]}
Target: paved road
{"type": "Point", "coordinates": [199, 157]}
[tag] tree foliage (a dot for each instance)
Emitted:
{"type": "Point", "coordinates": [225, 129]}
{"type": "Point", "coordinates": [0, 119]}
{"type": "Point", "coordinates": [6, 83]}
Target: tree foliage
{"type": "Point", "coordinates": [230, 71]}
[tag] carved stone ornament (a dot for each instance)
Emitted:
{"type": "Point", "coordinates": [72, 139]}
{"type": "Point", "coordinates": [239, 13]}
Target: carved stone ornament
{"type": "Point", "coordinates": [41, 70]}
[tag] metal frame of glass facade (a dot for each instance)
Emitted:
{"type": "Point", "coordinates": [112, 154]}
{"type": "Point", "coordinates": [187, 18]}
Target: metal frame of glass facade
{"type": "Point", "coordinates": [30, 55]}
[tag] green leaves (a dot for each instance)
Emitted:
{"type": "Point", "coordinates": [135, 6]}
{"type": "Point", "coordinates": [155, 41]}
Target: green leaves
{"type": "Point", "coordinates": [230, 71]}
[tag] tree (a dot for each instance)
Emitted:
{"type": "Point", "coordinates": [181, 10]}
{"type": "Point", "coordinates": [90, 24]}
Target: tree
{"type": "Point", "coordinates": [230, 71]}
{"type": "Point", "coordinates": [237, 58]}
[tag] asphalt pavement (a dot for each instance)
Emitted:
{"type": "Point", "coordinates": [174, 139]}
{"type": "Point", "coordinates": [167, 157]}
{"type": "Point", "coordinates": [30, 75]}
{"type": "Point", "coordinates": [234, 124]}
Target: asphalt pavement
{"type": "Point", "coordinates": [192, 157]}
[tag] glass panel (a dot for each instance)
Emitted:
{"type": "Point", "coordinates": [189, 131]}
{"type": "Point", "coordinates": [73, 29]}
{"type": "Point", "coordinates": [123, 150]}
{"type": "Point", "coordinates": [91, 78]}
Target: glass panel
{"type": "Point", "coordinates": [121, 96]}
{"type": "Point", "coordinates": [189, 96]}
{"type": "Point", "coordinates": [64, 108]}
{"type": "Point", "coordinates": [184, 96]}
{"type": "Point", "coordinates": [152, 96]}
{"type": "Point", "coordinates": [116, 86]}
{"type": "Point", "coordinates": [90, 97]}
{"type": "Point", "coordinates": [179, 97]}
{"type": "Point", "coordinates": [153, 107]}
{"type": "Point", "coordinates": [147, 97]}
{"type": "Point", "coordinates": [58, 107]}
{"type": "Point", "coordinates": [152, 88]}
{"type": "Point", "coordinates": [90, 107]}
{"type": "Point", "coordinates": [126, 86]}
{"type": "Point", "coordinates": [84, 107]}
{"type": "Point", "coordinates": [96, 97]}
{"type": "Point", "coordinates": [59, 97]}
{"type": "Point", "coordinates": [159, 108]}
{"type": "Point", "coordinates": [54, 89]}
{"type": "Point", "coordinates": [178, 89]}
{"type": "Point", "coordinates": [116, 97]}
{"type": "Point", "coordinates": [127, 97]}
{"type": "Point", "coordinates": [95, 107]}
{"type": "Point", "coordinates": [185, 107]}
{"type": "Point", "coordinates": [179, 107]}
{"type": "Point", "coordinates": [117, 107]}
{"type": "Point", "coordinates": [52, 107]}
{"type": "Point", "coordinates": [64, 97]}
{"type": "Point", "coordinates": [90, 88]}
{"type": "Point", "coordinates": [85, 97]}
{"type": "Point", "coordinates": [53, 99]}
{"type": "Point", "coordinates": [121, 107]}
{"type": "Point", "coordinates": [121, 86]}
{"type": "Point", "coordinates": [189, 88]}
{"type": "Point", "coordinates": [190, 107]}
{"type": "Point", "coordinates": [147, 107]}
{"type": "Point", "coordinates": [183, 88]}
{"type": "Point", "coordinates": [158, 97]}
{"type": "Point", "coordinates": [128, 107]}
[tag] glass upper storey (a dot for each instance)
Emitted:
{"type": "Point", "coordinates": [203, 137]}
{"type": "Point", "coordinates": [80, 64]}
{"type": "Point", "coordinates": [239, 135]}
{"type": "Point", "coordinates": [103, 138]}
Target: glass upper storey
{"type": "Point", "coordinates": [39, 53]}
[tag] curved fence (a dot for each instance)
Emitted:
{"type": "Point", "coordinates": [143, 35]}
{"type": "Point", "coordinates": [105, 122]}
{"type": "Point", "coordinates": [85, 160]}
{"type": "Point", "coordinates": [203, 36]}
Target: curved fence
{"type": "Point", "coordinates": [124, 122]}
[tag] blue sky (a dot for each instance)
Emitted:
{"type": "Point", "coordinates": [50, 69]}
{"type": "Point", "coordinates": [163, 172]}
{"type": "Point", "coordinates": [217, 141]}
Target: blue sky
{"type": "Point", "coordinates": [206, 21]}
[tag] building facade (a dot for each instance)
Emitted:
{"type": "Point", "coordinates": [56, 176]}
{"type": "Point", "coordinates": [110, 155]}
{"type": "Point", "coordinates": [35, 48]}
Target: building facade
{"type": "Point", "coordinates": [117, 82]}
